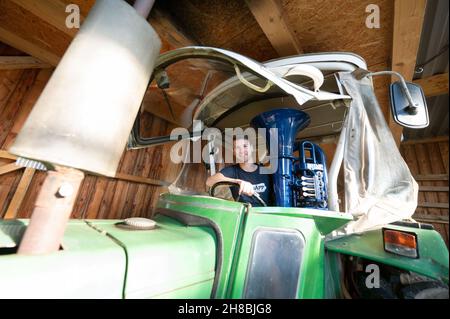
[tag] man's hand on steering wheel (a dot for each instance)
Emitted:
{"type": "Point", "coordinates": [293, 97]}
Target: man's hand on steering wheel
{"type": "Point", "coordinates": [245, 188]}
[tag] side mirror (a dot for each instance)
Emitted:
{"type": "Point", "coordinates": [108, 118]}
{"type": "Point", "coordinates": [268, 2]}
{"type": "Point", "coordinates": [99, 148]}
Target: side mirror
{"type": "Point", "coordinates": [408, 105]}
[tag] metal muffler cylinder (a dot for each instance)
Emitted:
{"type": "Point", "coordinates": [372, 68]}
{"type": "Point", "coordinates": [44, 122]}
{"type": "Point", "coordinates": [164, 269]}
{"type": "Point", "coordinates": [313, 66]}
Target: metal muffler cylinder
{"type": "Point", "coordinates": [85, 114]}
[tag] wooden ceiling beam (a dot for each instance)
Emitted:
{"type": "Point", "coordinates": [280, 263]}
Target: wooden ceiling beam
{"type": "Point", "coordinates": [269, 15]}
{"type": "Point", "coordinates": [434, 85]}
{"type": "Point", "coordinates": [50, 14]}
{"type": "Point", "coordinates": [51, 11]}
{"type": "Point", "coordinates": [26, 46]}
{"type": "Point", "coordinates": [408, 22]}
{"type": "Point", "coordinates": [30, 33]}
{"type": "Point", "coordinates": [171, 36]}
{"type": "Point", "coordinates": [22, 62]}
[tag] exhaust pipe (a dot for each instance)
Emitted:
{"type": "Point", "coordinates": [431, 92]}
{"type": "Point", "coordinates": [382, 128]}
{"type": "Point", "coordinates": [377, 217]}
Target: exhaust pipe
{"type": "Point", "coordinates": [143, 7]}
{"type": "Point", "coordinates": [82, 119]}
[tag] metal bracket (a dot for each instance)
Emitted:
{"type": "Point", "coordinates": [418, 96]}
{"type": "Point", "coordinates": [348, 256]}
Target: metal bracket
{"type": "Point", "coordinates": [359, 74]}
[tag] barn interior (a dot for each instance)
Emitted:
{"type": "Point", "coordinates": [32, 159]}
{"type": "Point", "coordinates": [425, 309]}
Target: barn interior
{"type": "Point", "coordinates": [409, 37]}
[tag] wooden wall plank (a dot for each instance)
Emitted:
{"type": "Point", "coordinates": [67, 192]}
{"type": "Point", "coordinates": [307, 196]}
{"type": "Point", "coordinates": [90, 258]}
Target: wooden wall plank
{"type": "Point", "coordinates": [437, 167]}
{"type": "Point", "coordinates": [443, 148]}
{"type": "Point", "coordinates": [84, 197]}
{"type": "Point", "coordinates": [431, 177]}
{"type": "Point", "coordinates": [434, 189]}
{"type": "Point", "coordinates": [140, 179]}
{"type": "Point", "coordinates": [410, 157]}
{"type": "Point", "coordinates": [22, 62]}
{"type": "Point", "coordinates": [30, 98]}
{"type": "Point", "coordinates": [105, 211]}
{"type": "Point", "coordinates": [99, 191]}
{"type": "Point", "coordinates": [128, 206]}
{"type": "Point", "coordinates": [9, 81]}
{"type": "Point", "coordinates": [20, 193]}
{"type": "Point", "coordinates": [435, 139]}
{"type": "Point", "coordinates": [148, 160]}
{"type": "Point", "coordinates": [426, 167]}
{"type": "Point", "coordinates": [27, 206]}
{"type": "Point", "coordinates": [149, 124]}
{"type": "Point", "coordinates": [431, 219]}
{"type": "Point", "coordinates": [8, 185]}
{"type": "Point", "coordinates": [433, 205]}
{"type": "Point", "coordinates": [120, 198]}
{"type": "Point", "coordinates": [14, 103]}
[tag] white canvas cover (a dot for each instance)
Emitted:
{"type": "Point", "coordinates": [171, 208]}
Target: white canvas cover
{"type": "Point", "coordinates": [379, 187]}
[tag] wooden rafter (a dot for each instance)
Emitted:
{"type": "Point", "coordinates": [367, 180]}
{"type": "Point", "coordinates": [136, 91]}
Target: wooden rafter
{"type": "Point", "coordinates": [8, 168]}
{"type": "Point", "coordinates": [51, 11]}
{"type": "Point", "coordinates": [20, 193]}
{"type": "Point", "coordinates": [7, 155]}
{"type": "Point", "coordinates": [24, 45]}
{"type": "Point", "coordinates": [408, 21]}
{"type": "Point", "coordinates": [22, 62]}
{"type": "Point", "coordinates": [269, 15]}
{"type": "Point", "coordinates": [434, 85]}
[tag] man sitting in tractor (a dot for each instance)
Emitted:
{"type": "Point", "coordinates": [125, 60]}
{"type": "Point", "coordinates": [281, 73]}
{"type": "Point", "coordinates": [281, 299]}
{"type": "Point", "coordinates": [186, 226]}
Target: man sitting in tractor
{"type": "Point", "coordinates": [245, 173]}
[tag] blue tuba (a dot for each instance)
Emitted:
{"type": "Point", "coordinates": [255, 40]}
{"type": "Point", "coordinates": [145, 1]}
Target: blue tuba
{"type": "Point", "coordinates": [300, 181]}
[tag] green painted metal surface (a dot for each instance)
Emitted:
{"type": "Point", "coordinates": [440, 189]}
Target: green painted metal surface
{"type": "Point", "coordinates": [91, 265]}
{"type": "Point", "coordinates": [169, 261]}
{"type": "Point", "coordinates": [227, 215]}
{"type": "Point", "coordinates": [325, 221]}
{"type": "Point", "coordinates": [433, 261]}
{"type": "Point", "coordinates": [101, 260]}
{"type": "Point", "coordinates": [333, 276]}
{"type": "Point", "coordinates": [312, 224]}
{"type": "Point", "coordinates": [232, 219]}
{"type": "Point", "coordinates": [311, 279]}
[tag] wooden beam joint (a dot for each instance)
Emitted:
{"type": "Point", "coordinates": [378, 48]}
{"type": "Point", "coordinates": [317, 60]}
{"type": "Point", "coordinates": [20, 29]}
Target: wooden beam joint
{"type": "Point", "coordinates": [434, 85]}
{"type": "Point", "coordinates": [269, 15]}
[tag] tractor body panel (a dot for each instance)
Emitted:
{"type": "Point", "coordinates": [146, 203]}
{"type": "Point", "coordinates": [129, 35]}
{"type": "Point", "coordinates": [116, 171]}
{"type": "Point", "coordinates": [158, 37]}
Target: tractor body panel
{"type": "Point", "coordinates": [433, 253]}
{"type": "Point", "coordinates": [89, 265]}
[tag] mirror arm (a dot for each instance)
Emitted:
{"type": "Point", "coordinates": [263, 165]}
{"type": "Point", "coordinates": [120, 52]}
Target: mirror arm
{"type": "Point", "coordinates": [135, 141]}
{"type": "Point", "coordinates": [412, 107]}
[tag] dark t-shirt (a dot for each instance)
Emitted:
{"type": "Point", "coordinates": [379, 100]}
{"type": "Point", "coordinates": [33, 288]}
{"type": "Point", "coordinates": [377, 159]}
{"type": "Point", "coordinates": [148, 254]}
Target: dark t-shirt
{"type": "Point", "coordinates": [262, 184]}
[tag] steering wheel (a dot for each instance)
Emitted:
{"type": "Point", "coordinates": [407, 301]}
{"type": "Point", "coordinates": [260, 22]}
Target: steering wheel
{"type": "Point", "coordinates": [255, 195]}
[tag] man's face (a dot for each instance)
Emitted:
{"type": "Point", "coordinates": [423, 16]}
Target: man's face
{"type": "Point", "coordinates": [243, 151]}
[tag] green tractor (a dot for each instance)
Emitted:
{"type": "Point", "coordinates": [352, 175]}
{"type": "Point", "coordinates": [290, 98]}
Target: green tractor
{"type": "Point", "coordinates": [201, 244]}
{"type": "Point", "coordinates": [198, 245]}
